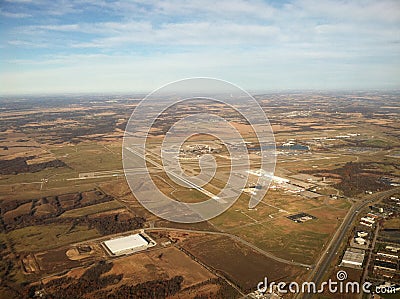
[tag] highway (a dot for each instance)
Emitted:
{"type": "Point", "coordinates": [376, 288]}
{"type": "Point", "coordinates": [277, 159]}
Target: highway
{"type": "Point", "coordinates": [330, 251]}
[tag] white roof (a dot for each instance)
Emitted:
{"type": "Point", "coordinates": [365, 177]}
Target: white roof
{"type": "Point", "coordinates": [357, 263]}
{"type": "Point", "coordinates": [125, 243]}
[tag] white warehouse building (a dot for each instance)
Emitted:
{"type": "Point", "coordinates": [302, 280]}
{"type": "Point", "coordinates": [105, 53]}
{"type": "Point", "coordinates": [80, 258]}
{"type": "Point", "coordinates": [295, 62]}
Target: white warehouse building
{"type": "Point", "coordinates": [128, 244]}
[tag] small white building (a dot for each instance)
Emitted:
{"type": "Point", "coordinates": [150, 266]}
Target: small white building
{"type": "Point", "coordinates": [362, 234]}
{"type": "Point", "coordinates": [368, 220]}
{"type": "Point", "coordinates": [360, 241]}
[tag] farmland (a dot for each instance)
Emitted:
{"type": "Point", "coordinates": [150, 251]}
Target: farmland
{"type": "Point", "coordinates": [63, 191]}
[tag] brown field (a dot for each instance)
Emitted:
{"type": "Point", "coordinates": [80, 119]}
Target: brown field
{"type": "Point", "coordinates": [55, 260]}
{"type": "Point", "coordinates": [87, 138]}
{"type": "Point", "coordinates": [241, 264]}
{"type": "Point", "coordinates": [21, 210]}
{"type": "Point", "coordinates": [160, 264]}
{"type": "Point", "coordinates": [302, 242]}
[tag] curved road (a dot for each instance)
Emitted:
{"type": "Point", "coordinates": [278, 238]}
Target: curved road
{"type": "Point", "coordinates": [236, 238]}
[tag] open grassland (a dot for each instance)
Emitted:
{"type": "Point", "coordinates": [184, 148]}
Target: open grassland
{"type": "Point", "coordinates": [89, 156]}
{"type": "Point", "coordinates": [302, 242]}
{"type": "Point", "coordinates": [230, 219]}
{"type": "Point", "coordinates": [92, 209]}
{"type": "Point", "coordinates": [300, 246]}
{"type": "Point", "coordinates": [29, 191]}
{"type": "Point", "coordinates": [42, 237]}
{"type": "Point", "coordinates": [23, 178]}
{"type": "Point", "coordinates": [274, 205]}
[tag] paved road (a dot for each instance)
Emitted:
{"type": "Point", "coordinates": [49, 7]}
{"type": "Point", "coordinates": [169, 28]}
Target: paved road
{"type": "Point", "coordinates": [326, 259]}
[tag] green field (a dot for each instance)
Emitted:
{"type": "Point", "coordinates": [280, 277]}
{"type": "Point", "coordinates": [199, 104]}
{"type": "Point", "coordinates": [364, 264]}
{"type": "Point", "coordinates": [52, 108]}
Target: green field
{"type": "Point", "coordinates": [93, 209]}
{"type": "Point", "coordinates": [42, 237]}
{"type": "Point", "coordinates": [300, 246]}
{"type": "Point", "coordinates": [90, 156]}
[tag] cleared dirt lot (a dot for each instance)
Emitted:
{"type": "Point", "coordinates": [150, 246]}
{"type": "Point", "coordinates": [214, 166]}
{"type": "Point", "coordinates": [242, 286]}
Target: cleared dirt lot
{"type": "Point", "coordinates": [160, 264]}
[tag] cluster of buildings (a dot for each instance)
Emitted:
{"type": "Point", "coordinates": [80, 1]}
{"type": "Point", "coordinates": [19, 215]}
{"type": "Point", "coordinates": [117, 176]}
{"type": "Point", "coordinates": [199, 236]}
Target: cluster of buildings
{"type": "Point", "coordinates": [360, 239]}
{"type": "Point", "coordinates": [375, 246]}
{"type": "Point", "coordinates": [355, 253]}
{"type": "Point", "coordinates": [270, 294]}
{"type": "Point", "coordinates": [329, 141]}
{"type": "Point", "coordinates": [301, 217]}
{"type": "Point", "coordinates": [197, 150]}
{"type": "Point", "coordinates": [369, 220]}
{"type": "Point", "coordinates": [349, 135]}
{"type": "Point", "coordinates": [395, 200]}
{"type": "Point", "coordinates": [386, 262]}
{"type": "Point", "coordinates": [298, 184]}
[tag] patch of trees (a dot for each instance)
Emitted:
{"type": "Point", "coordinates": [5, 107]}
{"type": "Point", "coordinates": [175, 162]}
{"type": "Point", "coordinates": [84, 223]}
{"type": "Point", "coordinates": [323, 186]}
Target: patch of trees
{"type": "Point", "coordinates": [112, 224]}
{"type": "Point", "coordinates": [92, 280]}
{"type": "Point", "coordinates": [9, 205]}
{"type": "Point", "coordinates": [225, 290]}
{"type": "Point", "coordinates": [95, 271]}
{"type": "Point", "coordinates": [5, 264]}
{"type": "Point", "coordinates": [7, 280]}
{"type": "Point", "coordinates": [33, 218]}
{"type": "Point", "coordinates": [203, 283]}
{"type": "Point", "coordinates": [357, 177]}
{"type": "Point", "coordinates": [58, 282]}
{"type": "Point", "coordinates": [105, 225]}
{"type": "Point", "coordinates": [88, 283]}
{"type": "Point", "coordinates": [154, 289]}
{"type": "Point", "coordinates": [19, 165]}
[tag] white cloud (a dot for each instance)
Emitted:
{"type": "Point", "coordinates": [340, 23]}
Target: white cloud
{"type": "Point", "coordinates": [19, 1]}
{"type": "Point", "coordinates": [17, 15]}
{"type": "Point", "coordinates": [354, 11]}
{"type": "Point", "coordinates": [301, 43]}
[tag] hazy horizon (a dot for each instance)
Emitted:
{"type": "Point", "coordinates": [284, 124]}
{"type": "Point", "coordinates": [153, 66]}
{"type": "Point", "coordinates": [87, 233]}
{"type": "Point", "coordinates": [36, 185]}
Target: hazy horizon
{"type": "Point", "coordinates": [252, 92]}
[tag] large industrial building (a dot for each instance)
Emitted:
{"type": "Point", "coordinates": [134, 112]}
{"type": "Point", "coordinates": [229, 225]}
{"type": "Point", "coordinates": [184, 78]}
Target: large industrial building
{"type": "Point", "coordinates": [353, 258]}
{"type": "Point", "coordinates": [128, 244]}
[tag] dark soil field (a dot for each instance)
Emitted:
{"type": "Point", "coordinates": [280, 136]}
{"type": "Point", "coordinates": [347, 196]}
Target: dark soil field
{"type": "Point", "coordinates": [19, 165]}
{"type": "Point", "coordinates": [55, 260]}
{"type": "Point", "coordinates": [242, 265]}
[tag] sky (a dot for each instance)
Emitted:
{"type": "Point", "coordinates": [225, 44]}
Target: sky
{"type": "Point", "coordinates": [60, 46]}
